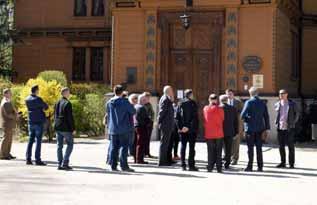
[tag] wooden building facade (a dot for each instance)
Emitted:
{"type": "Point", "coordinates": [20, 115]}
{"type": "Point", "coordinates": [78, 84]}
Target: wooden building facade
{"type": "Point", "coordinates": [228, 44]}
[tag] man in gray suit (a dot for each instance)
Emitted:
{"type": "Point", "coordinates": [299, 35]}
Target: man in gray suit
{"type": "Point", "coordinates": [236, 140]}
{"type": "Point", "coordinates": [166, 125]}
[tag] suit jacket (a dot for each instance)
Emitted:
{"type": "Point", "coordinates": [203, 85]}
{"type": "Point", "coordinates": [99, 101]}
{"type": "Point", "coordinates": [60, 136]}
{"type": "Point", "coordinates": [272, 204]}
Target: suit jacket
{"type": "Point", "coordinates": [187, 115]}
{"type": "Point", "coordinates": [8, 115]}
{"type": "Point", "coordinates": [166, 114]}
{"type": "Point", "coordinates": [141, 118]}
{"type": "Point", "coordinates": [255, 116]}
{"type": "Point", "coordinates": [230, 124]}
{"type": "Point", "coordinates": [63, 116]}
{"type": "Point", "coordinates": [293, 114]}
{"type": "Point", "coordinates": [238, 105]}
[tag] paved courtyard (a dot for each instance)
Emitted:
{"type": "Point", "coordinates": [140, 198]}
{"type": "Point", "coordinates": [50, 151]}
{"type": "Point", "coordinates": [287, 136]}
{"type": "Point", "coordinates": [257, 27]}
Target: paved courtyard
{"type": "Point", "coordinates": [91, 181]}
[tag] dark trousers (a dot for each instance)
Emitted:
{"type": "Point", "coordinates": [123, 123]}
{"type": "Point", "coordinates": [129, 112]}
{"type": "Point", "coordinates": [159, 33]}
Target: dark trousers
{"type": "Point", "coordinates": [228, 149]}
{"type": "Point", "coordinates": [286, 137]}
{"type": "Point", "coordinates": [255, 139]}
{"type": "Point", "coordinates": [141, 140]}
{"type": "Point", "coordinates": [191, 140]}
{"type": "Point", "coordinates": [214, 147]}
{"type": "Point", "coordinates": [174, 142]}
{"type": "Point", "coordinates": [165, 155]}
{"type": "Point", "coordinates": [35, 134]}
{"type": "Point", "coordinates": [148, 139]}
{"type": "Point", "coordinates": [119, 143]}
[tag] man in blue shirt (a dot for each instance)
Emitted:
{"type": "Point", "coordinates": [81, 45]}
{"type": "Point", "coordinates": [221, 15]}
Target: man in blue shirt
{"type": "Point", "coordinates": [256, 122]}
{"type": "Point", "coordinates": [120, 124]}
{"type": "Point", "coordinates": [36, 120]}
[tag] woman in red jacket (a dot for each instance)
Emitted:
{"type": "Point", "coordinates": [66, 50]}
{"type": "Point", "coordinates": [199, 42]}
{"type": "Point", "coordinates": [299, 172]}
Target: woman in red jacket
{"type": "Point", "coordinates": [213, 121]}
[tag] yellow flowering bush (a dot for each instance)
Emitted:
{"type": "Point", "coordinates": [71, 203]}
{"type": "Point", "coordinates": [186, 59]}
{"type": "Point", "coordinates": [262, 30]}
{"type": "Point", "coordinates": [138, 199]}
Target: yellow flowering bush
{"type": "Point", "coordinates": [49, 92]}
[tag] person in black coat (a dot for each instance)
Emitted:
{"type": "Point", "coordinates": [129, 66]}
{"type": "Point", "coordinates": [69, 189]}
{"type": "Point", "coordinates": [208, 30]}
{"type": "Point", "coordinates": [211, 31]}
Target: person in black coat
{"type": "Point", "coordinates": [187, 123]}
{"type": "Point", "coordinates": [166, 125]}
{"type": "Point", "coordinates": [230, 127]}
{"type": "Point", "coordinates": [141, 123]}
{"type": "Point", "coordinates": [65, 128]}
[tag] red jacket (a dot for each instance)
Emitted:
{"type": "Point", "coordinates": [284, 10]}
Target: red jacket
{"type": "Point", "coordinates": [213, 121]}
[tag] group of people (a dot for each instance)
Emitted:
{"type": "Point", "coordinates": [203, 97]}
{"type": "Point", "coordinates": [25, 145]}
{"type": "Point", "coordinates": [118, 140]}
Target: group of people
{"type": "Point", "coordinates": [63, 124]}
{"type": "Point", "coordinates": [129, 123]}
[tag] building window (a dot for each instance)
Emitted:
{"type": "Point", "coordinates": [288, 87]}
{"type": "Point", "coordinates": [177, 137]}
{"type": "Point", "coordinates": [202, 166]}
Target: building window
{"type": "Point", "coordinates": [79, 63]}
{"type": "Point", "coordinates": [98, 8]}
{"type": "Point", "coordinates": [96, 69]}
{"type": "Point", "coordinates": [131, 75]}
{"type": "Point", "coordinates": [80, 8]}
{"type": "Point", "coordinates": [295, 56]}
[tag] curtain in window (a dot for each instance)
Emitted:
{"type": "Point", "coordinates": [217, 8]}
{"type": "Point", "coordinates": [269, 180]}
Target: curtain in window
{"type": "Point", "coordinates": [98, 8]}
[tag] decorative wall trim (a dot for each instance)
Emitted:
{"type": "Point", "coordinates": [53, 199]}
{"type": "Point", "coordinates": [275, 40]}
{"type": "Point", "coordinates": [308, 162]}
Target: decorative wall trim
{"type": "Point", "coordinates": [231, 47]}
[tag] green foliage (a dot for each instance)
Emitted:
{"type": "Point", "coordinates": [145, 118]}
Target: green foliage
{"type": "Point", "coordinates": [82, 89]}
{"type": "Point", "coordinates": [51, 75]}
{"type": "Point", "coordinates": [94, 110]}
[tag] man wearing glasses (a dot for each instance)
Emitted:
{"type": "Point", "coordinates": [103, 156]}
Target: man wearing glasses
{"type": "Point", "coordinates": [287, 117]}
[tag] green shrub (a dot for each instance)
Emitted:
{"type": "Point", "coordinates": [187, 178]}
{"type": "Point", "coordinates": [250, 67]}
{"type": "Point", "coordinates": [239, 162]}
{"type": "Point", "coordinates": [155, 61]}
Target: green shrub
{"type": "Point", "coordinates": [82, 89]}
{"type": "Point", "coordinates": [94, 111]}
{"type": "Point", "coordinates": [51, 75]}
{"type": "Point", "coordinates": [79, 115]}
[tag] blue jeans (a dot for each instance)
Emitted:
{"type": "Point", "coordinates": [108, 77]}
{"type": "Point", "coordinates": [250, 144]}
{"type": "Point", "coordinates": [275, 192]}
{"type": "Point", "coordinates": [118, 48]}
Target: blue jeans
{"type": "Point", "coordinates": [109, 151]}
{"type": "Point", "coordinates": [132, 143]}
{"type": "Point", "coordinates": [35, 133]}
{"type": "Point", "coordinates": [60, 136]}
{"type": "Point", "coordinates": [119, 143]}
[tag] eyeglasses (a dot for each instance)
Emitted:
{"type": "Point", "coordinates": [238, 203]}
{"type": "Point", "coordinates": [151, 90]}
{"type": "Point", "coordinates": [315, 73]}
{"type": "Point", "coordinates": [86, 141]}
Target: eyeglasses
{"type": "Point", "coordinates": [282, 93]}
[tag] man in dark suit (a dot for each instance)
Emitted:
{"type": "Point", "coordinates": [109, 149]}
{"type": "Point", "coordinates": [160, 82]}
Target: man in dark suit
{"type": "Point", "coordinates": [233, 101]}
{"type": "Point", "coordinates": [166, 125]}
{"type": "Point", "coordinates": [230, 127]}
{"type": "Point", "coordinates": [65, 129]}
{"type": "Point", "coordinates": [287, 117]}
{"type": "Point", "coordinates": [256, 122]}
{"type": "Point", "coordinates": [187, 124]}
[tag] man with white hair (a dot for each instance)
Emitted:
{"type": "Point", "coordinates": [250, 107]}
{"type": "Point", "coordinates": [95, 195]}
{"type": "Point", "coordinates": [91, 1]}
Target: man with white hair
{"type": "Point", "coordinates": [166, 125]}
{"type": "Point", "coordinates": [141, 123]}
{"type": "Point", "coordinates": [256, 122]}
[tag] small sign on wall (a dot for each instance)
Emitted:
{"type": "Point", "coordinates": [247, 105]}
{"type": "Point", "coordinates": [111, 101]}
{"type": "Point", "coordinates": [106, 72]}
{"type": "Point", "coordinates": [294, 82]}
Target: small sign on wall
{"type": "Point", "coordinates": [258, 80]}
{"type": "Point", "coordinates": [180, 94]}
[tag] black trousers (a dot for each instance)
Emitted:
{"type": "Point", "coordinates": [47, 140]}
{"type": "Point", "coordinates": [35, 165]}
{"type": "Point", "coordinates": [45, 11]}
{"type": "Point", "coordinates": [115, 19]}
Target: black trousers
{"type": "Point", "coordinates": [286, 137]}
{"type": "Point", "coordinates": [174, 142]}
{"type": "Point", "coordinates": [165, 155]}
{"type": "Point", "coordinates": [191, 140]}
{"type": "Point", "coordinates": [214, 147]}
{"type": "Point", "coordinates": [228, 149]}
{"type": "Point", "coordinates": [255, 139]}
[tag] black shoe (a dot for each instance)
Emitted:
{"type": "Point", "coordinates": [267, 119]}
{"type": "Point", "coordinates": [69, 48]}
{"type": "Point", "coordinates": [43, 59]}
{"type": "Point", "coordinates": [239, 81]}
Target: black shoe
{"type": "Point", "coordinates": [67, 167]}
{"type": "Point", "coordinates": [128, 170]}
{"type": "Point", "coordinates": [12, 157]}
{"type": "Point", "coordinates": [292, 166]}
{"type": "Point", "coordinates": [184, 168]}
{"type": "Point", "coordinates": [227, 167]}
{"type": "Point", "coordinates": [5, 158]}
{"type": "Point", "coordinates": [209, 169]}
{"type": "Point", "coordinates": [234, 162]}
{"type": "Point", "coordinates": [219, 170]}
{"type": "Point", "coordinates": [260, 169]}
{"type": "Point", "coordinates": [281, 165]}
{"type": "Point", "coordinates": [193, 169]}
{"type": "Point", "coordinates": [173, 162]}
{"type": "Point", "coordinates": [29, 162]}
{"type": "Point", "coordinates": [164, 164]}
{"type": "Point", "coordinates": [143, 162]}
{"type": "Point", "coordinates": [114, 169]}
{"type": "Point", "coordinates": [248, 169]}
{"type": "Point", "coordinates": [40, 163]}
{"type": "Point", "coordinates": [60, 168]}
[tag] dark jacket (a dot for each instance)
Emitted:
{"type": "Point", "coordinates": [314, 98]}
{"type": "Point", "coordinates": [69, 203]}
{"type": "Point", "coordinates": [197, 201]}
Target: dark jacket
{"type": "Point", "coordinates": [312, 112]}
{"type": "Point", "coordinates": [238, 105]}
{"type": "Point", "coordinates": [142, 118]}
{"type": "Point", "coordinates": [166, 114]}
{"type": "Point", "coordinates": [187, 115]}
{"type": "Point", "coordinates": [230, 124]}
{"type": "Point", "coordinates": [63, 116]}
{"type": "Point", "coordinates": [293, 114]}
{"type": "Point", "coordinates": [255, 116]}
{"type": "Point", "coordinates": [150, 111]}
{"type": "Point", "coordinates": [36, 107]}
{"type": "Point", "coordinates": [119, 115]}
